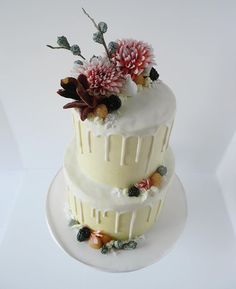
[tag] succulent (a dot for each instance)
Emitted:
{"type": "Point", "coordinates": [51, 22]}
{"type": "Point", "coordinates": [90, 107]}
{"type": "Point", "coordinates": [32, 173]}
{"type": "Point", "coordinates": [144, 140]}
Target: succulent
{"type": "Point", "coordinates": [77, 90]}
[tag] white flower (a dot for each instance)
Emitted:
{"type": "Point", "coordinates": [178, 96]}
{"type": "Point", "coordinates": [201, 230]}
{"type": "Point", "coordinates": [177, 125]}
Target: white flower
{"type": "Point", "coordinates": [130, 87]}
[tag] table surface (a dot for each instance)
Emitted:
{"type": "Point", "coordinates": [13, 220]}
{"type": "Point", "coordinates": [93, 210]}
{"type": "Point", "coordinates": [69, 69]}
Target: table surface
{"type": "Point", "coordinates": [204, 256]}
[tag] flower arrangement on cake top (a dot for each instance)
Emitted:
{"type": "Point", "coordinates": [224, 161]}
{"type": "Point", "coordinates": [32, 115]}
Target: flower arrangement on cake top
{"type": "Point", "coordinates": [101, 81]}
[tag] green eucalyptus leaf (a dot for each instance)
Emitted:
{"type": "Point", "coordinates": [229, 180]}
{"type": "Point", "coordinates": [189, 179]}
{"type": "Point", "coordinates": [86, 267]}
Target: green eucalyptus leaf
{"type": "Point", "coordinates": [112, 46]}
{"type": "Point", "coordinates": [79, 62]}
{"type": "Point", "coordinates": [63, 42]}
{"type": "Point", "coordinates": [75, 49]}
{"type": "Point", "coordinates": [97, 37]}
{"type": "Point", "coordinates": [102, 26]}
{"type": "Point", "coordinates": [73, 223]}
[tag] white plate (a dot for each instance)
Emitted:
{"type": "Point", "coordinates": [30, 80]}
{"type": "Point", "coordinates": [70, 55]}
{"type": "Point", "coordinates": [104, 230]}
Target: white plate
{"type": "Point", "coordinates": [158, 241]}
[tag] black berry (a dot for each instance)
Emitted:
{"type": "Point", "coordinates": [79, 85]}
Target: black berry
{"type": "Point", "coordinates": [161, 170]}
{"type": "Point", "coordinates": [113, 103]}
{"type": "Point", "coordinates": [83, 234]}
{"type": "Point", "coordinates": [154, 75]}
{"type": "Point", "coordinates": [133, 192]}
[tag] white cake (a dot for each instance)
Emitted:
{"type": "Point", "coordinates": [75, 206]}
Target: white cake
{"type": "Point", "coordinates": [118, 166]}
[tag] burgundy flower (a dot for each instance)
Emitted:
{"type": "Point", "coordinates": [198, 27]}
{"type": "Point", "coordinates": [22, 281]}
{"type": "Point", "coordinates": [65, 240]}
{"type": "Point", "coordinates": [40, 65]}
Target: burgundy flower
{"type": "Point", "coordinates": [77, 89]}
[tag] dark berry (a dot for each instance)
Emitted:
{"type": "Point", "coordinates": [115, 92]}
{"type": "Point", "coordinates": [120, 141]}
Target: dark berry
{"type": "Point", "coordinates": [114, 103]}
{"type": "Point", "coordinates": [105, 101]}
{"type": "Point", "coordinates": [133, 192]}
{"type": "Point", "coordinates": [83, 234]}
{"type": "Point", "coordinates": [154, 75]}
{"type": "Point", "coordinates": [162, 170]}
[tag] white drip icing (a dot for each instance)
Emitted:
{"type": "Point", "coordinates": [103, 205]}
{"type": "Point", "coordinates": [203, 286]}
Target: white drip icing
{"type": "Point", "coordinates": [81, 211]}
{"type": "Point", "coordinates": [165, 139]}
{"type": "Point", "coordinates": [149, 158]}
{"type": "Point", "coordinates": [93, 211]}
{"type": "Point", "coordinates": [104, 214]}
{"type": "Point", "coordinates": [80, 137]}
{"type": "Point", "coordinates": [98, 217]}
{"type": "Point", "coordinates": [149, 213]}
{"type": "Point", "coordinates": [107, 148]}
{"type": "Point", "coordinates": [131, 226]}
{"type": "Point", "coordinates": [117, 219]}
{"type": "Point", "coordinates": [158, 210]}
{"type": "Point", "coordinates": [138, 150]}
{"type": "Point", "coordinates": [89, 140]}
{"type": "Point", "coordinates": [123, 147]}
{"type": "Point", "coordinates": [168, 138]}
{"type": "Point", "coordinates": [75, 205]}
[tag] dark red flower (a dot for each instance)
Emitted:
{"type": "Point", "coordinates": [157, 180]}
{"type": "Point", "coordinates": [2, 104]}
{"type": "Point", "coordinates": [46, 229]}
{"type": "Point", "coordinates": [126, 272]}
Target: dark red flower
{"type": "Point", "coordinates": [77, 89]}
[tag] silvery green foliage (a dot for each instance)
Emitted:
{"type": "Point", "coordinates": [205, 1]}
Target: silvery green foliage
{"type": "Point", "coordinates": [130, 245]}
{"type": "Point", "coordinates": [75, 49]}
{"type": "Point", "coordinates": [102, 26]}
{"type": "Point", "coordinates": [162, 170]}
{"type": "Point", "coordinates": [79, 62]}
{"type": "Point", "coordinates": [73, 223]}
{"type": "Point", "coordinates": [118, 245]}
{"type": "Point", "coordinates": [97, 37]}
{"type": "Point", "coordinates": [112, 46]}
{"type": "Point", "coordinates": [104, 249]}
{"type": "Point", "coordinates": [63, 42]}
{"type": "Point", "coordinates": [94, 56]}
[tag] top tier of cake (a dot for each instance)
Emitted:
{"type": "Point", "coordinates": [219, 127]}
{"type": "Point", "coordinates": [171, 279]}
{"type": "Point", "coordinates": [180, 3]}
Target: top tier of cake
{"type": "Point", "coordinates": [131, 144]}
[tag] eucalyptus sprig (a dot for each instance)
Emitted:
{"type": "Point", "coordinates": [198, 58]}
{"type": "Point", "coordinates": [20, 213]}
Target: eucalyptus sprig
{"type": "Point", "coordinates": [64, 44]}
{"type": "Point", "coordinates": [99, 35]}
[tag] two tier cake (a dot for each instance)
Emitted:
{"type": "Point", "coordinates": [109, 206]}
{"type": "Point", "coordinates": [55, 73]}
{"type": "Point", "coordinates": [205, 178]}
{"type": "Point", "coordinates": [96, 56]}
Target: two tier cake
{"type": "Point", "coordinates": [119, 165]}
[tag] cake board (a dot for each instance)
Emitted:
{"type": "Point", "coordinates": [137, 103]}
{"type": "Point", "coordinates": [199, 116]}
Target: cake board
{"type": "Point", "coordinates": [157, 241]}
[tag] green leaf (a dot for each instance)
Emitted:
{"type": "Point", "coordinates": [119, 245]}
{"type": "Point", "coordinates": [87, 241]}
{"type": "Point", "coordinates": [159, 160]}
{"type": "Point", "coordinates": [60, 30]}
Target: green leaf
{"type": "Point", "coordinates": [112, 46]}
{"type": "Point", "coordinates": [102, 26]}
{"type": "Point", "coordinates": [63, 42]}
{"type": "Point", "coordinates": [97, 37]}
{"type": "Point", "coordinates": [75, 49]}
{"type": "Point", "coordinates": [79, 62]}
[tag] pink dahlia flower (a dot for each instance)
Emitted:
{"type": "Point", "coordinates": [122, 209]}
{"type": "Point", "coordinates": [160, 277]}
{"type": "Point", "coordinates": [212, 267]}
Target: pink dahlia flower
{"type": "Point", "coordinates": [103, 76]}
{"type": "Point", "coordinates": [133, 56]}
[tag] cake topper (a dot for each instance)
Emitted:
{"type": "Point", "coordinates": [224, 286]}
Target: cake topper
{"type": "Point", "coordinates": [101, 82]}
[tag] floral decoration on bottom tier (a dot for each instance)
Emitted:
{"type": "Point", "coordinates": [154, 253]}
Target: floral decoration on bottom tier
{"type": "Point", "coordinates": [102, 241]}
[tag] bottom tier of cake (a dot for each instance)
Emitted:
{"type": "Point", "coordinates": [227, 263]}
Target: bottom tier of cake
{"type": "Point", "coordinates": [111, 210]}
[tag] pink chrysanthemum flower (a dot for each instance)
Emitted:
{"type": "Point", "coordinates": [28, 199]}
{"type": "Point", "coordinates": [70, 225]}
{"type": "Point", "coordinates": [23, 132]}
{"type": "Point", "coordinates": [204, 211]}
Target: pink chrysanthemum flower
{"type": "Point", "coordinates": [133, 56]}
{"type": "Point", "coordinates": [144, 184]}
{"type": "Point", "coordinates": [103, 76]}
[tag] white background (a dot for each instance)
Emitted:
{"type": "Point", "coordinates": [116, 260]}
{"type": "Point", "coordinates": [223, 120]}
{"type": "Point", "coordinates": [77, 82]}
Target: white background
{"type": "Point", "coordinates": [194, 44]}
